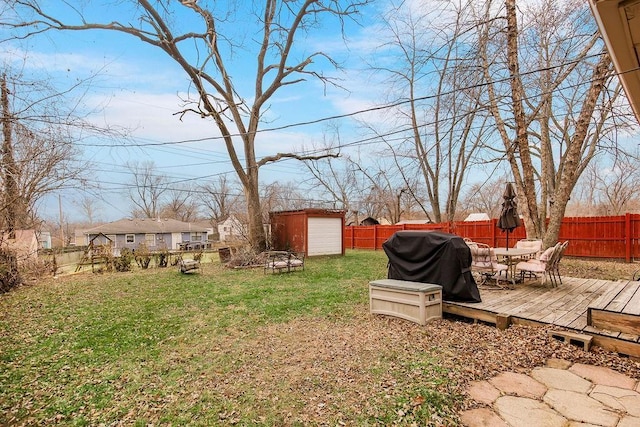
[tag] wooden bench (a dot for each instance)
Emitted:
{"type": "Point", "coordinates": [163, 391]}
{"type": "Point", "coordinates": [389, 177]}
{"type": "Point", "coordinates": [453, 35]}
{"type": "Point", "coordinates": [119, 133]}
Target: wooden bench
{"type": "Point", "coordinates": [414, 301]}
{"type": "Point", "coordinates": [283, 262]}
{"type": "Point", "coordinates": [188, 265]}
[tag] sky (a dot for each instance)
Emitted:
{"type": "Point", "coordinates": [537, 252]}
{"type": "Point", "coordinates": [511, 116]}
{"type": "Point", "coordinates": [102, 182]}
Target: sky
{"type": "Point", "coordinates": [137, 88]}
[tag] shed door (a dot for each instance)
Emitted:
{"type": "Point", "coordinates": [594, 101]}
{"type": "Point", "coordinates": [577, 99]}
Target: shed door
{"type": "Point", "coordinates": [324, 236]}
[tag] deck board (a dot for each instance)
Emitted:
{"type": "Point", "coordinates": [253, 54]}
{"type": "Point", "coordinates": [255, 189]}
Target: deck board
{"type": "Point", "coordinates": [576, 303]}
{"type": "Point", "coordinates": [564, 306]}
{"type": "Point", "coordinates": [621, 300]}
{"type": "Point", "coordinates": [633, 305]}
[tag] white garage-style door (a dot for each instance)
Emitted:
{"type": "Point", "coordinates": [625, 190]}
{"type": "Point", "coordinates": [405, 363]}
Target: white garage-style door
{"type": "Point", "coordinates": [324, 236]}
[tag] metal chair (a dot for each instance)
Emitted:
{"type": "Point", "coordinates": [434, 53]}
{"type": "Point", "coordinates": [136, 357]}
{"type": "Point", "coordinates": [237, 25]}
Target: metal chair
{"type": "Point", "coordinates": [545, 265]}
{"type": "Point", "coordinates": [485, 263]}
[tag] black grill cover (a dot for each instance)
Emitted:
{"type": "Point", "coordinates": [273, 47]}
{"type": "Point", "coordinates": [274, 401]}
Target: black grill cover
{"type": "Point", "coordinates": [433, 257]}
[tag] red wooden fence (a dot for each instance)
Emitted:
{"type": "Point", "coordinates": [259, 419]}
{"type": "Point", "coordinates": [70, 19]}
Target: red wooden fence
{"type": "Point", "coordinates": [615, 237]}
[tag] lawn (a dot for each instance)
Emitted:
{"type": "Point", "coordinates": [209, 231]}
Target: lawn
{"type": "Point", "coordinates": [229, 346]}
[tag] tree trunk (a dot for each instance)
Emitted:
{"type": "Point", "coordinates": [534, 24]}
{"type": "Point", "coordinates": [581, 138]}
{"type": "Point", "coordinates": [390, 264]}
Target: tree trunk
{"type": "Point", "coordinates": [526, 186]}
{"type": "Point", "coordinates": [11, 195]}
{"type": "Point", "coordinates": [572, 166]}
{"type": "Point", "coordinates": [257, 237]}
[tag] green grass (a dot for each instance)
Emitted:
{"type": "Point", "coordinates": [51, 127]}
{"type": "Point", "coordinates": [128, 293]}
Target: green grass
{"type": "Point", "coordinates": [219, 347]}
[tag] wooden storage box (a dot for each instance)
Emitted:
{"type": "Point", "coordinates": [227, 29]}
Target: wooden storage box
{"type": "Point", "coordinates": [414, 301]}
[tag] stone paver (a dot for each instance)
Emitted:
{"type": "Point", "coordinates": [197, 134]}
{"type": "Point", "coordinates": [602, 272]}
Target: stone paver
{"type": "Point", "coordinates": [558, 363]}
{"type": "Point", "coordinates": [629, 421]}
{"type": "Point", "coordinates": [578, 424]}
{"type": "Point", "coordinates": [522, 411]}
{"type": "Point", "coordinates": [518, 384]}
{"type": "Point", "coordinates": [559, 394]}
{"type": "Point", "coordinates": [621, 399]}
{"type": "Point", "coordinates": [482, 417]}
{"type": "Point", "coordinates": [580, 407]}
{"type": "Point", "coordinates": [603, 376]}
{"type": "Point", "coordinates": [483, 392]}
{"type": "Point", "coordinates": [561, 379]}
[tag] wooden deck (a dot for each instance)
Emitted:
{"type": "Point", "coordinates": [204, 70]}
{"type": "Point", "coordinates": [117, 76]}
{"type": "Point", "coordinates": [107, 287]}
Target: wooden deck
{"type": "Point", "coordinates": [608, 311]}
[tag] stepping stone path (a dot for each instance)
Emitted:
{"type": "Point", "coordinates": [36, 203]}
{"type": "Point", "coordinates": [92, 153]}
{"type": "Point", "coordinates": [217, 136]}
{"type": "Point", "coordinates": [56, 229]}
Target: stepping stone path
{"type": "Point", "coordinates": [559, 394]}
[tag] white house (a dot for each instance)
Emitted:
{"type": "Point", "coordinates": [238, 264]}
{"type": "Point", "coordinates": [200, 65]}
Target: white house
{"type": "Point", "coordinates": [231, 229]}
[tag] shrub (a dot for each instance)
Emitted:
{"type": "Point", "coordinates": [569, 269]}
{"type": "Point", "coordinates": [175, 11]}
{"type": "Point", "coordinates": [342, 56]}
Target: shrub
{"type": "Point", "coordinates": [143, 256]}
{"type": "Point", "coordinates": [123, 262]}
{"type": "Point", "coordinates": [9, 275]}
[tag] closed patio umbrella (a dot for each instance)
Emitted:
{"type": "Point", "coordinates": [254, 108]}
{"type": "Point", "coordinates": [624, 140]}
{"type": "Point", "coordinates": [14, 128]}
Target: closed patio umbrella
{"type": "Point", "coordinates": [509, 218]}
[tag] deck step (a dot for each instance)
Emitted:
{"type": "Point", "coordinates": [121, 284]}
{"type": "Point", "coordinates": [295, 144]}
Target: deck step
{"type": "Point", "coordinates": [582, 340]}
{"type": "Point", "coordinates": [611, 321]}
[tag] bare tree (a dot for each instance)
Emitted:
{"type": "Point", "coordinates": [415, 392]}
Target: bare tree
{"type": "Point", "coordinates": [555, 76]}
{"type": "Point", "coordinates": [147, 189]}
{"type": "Point", "coordinates": [276, 29]}
{"type": "Point", "coordinates": [179, 203]}
{"type": "Point", "coordinates": [617, 185]}
{"type": "Point", "coordinates": [88, 205]}
{"type": "Point", "coordinates": [220, 198]}
{"type": "Point", "coordinates": [437, 134]}
{"type": "Point", "coordinates": [283, 197]}
{"type": "Point", "coordinates": [485, 197]}
{"type": "Point", "coordinates": [39, 157]}
{"type": "Point", "coordinates": [337, 179]}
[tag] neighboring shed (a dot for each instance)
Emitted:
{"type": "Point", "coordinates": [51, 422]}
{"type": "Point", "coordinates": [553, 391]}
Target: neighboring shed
{"type": "Point", "coordinates": [369, 221]}
{"type": "Point", "coordinates": [478, 216]}
{"type": "Point", "coordinates": [312, 231]}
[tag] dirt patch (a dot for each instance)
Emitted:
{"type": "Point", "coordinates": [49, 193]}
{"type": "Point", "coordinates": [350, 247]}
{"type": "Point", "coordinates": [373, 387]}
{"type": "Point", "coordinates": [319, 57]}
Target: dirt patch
{"type": "Point", "coordinates": [332, 371]}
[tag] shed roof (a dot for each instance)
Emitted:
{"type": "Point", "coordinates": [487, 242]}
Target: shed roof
{"type": "Point", "coordinates": [478, 216]}
{"type": "Point", "coordinates": [146, 225]}
{"type": "Point", "coordinates": [413, 221]}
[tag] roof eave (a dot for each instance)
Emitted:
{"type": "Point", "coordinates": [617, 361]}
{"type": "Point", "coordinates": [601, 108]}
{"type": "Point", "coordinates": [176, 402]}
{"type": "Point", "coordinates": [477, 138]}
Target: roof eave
{"type": "Point", "coordinates": [622, 37]}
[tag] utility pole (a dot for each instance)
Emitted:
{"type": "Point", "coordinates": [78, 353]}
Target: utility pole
{"type": "Point", "coordinates": [61, 221]}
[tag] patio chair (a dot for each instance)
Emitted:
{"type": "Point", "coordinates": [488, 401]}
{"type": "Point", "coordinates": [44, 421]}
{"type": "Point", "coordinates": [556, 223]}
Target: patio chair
{"type": "Point", "coordinates": [563, 248]}
{"type": "Point", "coordinates": [485, 263]}
{"type": "Point", "coordinates": [545, 265]}
{"type": "Point", "coordinates": [531, 244]}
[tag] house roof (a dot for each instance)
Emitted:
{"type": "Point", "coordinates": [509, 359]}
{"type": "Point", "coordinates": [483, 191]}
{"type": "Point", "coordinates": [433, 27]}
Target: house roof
{"type": "Point", "coordinates": [146, 225]}
{"type": "Point", "coordinates": [413, 221]}
{"type": "Point", "coordinates": [619, 24]}
{"type": "Point", "coordinates": [478, 216]}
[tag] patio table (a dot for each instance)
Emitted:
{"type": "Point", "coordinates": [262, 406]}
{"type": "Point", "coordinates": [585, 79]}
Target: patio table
{"type": "Point", "coordinates": [511, 257]}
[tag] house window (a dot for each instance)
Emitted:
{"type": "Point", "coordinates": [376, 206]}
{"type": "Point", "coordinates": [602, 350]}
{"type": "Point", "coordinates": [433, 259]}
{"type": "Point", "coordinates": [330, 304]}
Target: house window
{"type": "Point", "coordinates": [112, 237]}
{"type": "Point", "coordinates": [150, 240]}
{"type": "Point", "coordinates": [130, 238]}
{"type": "Point", "coordinates": [196, 237]}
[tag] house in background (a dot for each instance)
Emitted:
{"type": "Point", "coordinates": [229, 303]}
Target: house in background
{"type": "Point", "coordinates": [231, 229]}
{"type": "Point", "coordinates": [369, 221]}
{"type": "Point", "coordinates": [413, 221]}
{"type": "Point", "coordinates": [156, 234]}
{"type": "Point", "coordinates": [44, 240]}
{"type": "Point", "coordinates": [478, 216]}
{"type": "Point", "coordinates": [24, 244]}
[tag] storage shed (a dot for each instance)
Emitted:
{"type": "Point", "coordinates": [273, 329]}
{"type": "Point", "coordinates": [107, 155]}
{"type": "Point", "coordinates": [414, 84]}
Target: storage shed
{"type": "Point", "coordinates": [312, 231]}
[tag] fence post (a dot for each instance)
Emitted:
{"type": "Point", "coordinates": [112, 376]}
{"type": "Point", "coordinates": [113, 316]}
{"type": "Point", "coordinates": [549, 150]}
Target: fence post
{"type": "Point", "coordinates": [375, 237]}
{"type": "Point", "coordinates": [628, 234]}
{"type": "Point", "coordinates": [494, 224]}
